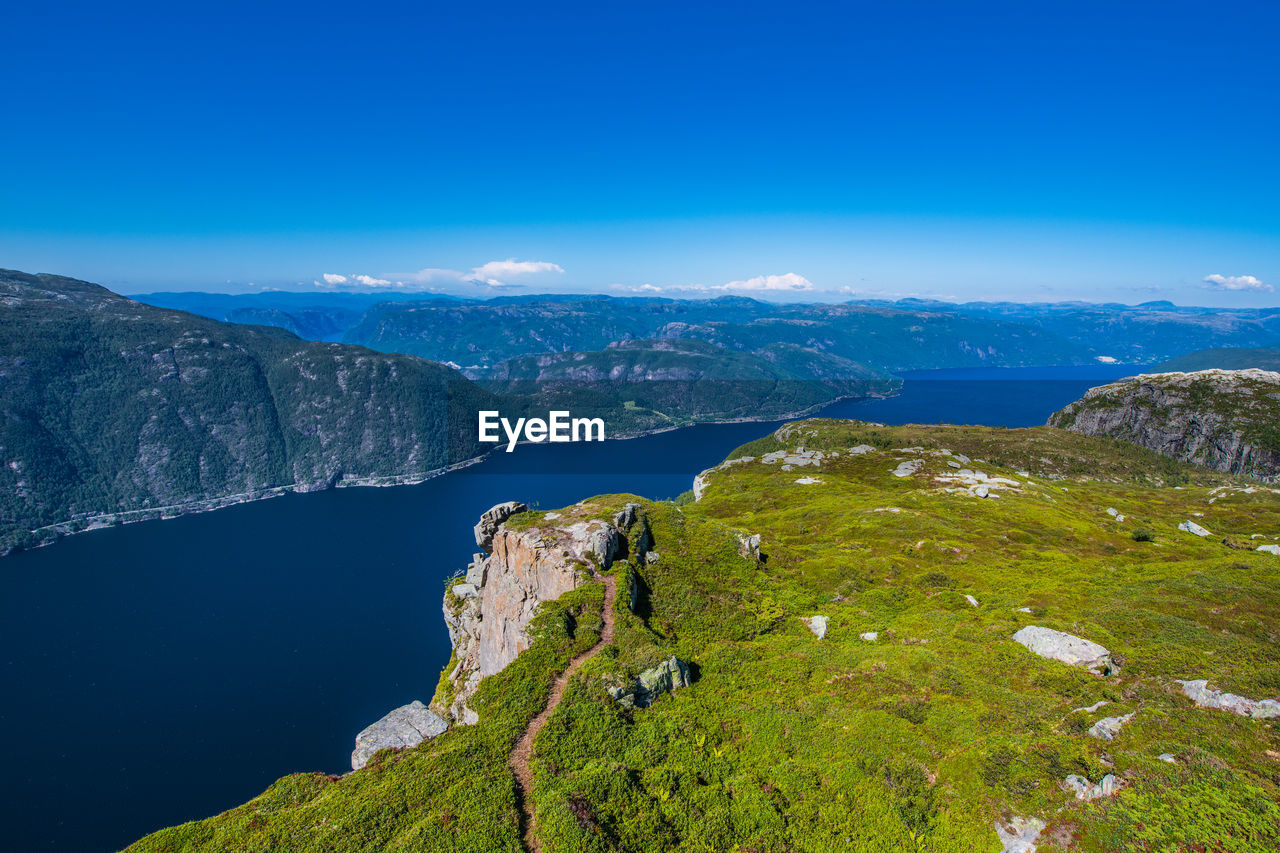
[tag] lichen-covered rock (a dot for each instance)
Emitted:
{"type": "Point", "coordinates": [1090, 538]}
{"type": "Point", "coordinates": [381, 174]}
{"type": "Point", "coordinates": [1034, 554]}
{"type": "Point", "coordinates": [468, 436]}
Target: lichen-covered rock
{"type": "Point", "coordinates": [1086, 790]}
{"type": "Point", "coordinates": [1198, 691]}
{"type": "Point", "coordinates": [818, 625]}
{"type": "Point", "coordinates": [1067, 648]}
{"type": "Point", "coordinates": [1215, 418]}
{"type": "Point", "coordinates": [406, 726]}
{"type": "Point", "coordinates": [1108, 727]}
{"type": "Point", "coordinates": [487, 621]}
{"type": "Point", "coordinates": [1193, 528]}
{"type": "Point", "coordinates": [669, 675]}
{"type": "Point", "coordinates": [1019, 834]}
{"type": "Point", "coordinates": [492, 520]}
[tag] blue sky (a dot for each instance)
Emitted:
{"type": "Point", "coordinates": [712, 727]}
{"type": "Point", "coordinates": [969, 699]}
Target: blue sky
{"type": "Point", "coordinates": [1037, 151]}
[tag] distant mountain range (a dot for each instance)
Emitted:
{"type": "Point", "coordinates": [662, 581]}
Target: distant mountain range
{"type": "Point", "coordinates": [902, 335]}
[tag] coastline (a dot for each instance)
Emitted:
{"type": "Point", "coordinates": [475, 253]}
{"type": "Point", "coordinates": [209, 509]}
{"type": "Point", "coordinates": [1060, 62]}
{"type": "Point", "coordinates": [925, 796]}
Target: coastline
{"type": "Point", "coordinates": [47, 535]}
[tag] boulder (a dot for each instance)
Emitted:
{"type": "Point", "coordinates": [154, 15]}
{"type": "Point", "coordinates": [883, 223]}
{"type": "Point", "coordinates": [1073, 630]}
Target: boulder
{"type": "Point", "coordinates": [1085, 790]}
{"type": "Point", "coordinates": [627, 516]}
{"type": "Point", "coordinates": [406, 726]}
{"type": "Point", "coordinates": [1270, 549]}
{"type": "Point", "coordinates": [669, 675]}
{"type": "Point", "coordinates": [1198, 691]}
{"type": "Point", "coordinates": [869, 636]}
{"type": "Point", "coordinates": [1019, 834]}
{"type": "Point", "coordinates": [1108, 727]}
{"type": "Point", "coordinates": [1067, 648]}
{"type": "Point", "coordinates": [973, 602]}
{"type": "Point", "coordinates": [1192, 528]}
{"type": "Point", "coordinates": [906, 469]}
{"type": "Point", "coordinates": [818, 625]}
{"type": "Point", "coordinates": [492, 520]}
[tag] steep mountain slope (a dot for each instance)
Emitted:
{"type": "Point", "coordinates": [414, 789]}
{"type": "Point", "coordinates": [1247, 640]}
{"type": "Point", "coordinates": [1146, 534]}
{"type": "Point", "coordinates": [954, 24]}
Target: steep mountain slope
{"type": "Point", "coordinates": [111, 409]}
{"type": "Point", "coordinates": [1221, 359]}
{"type": "Point", "coordinates": [1228, 420]}
{"type": "Point", "coordinates": [845, 598]}
{"type": "Point", "coordinates": [640, 385]}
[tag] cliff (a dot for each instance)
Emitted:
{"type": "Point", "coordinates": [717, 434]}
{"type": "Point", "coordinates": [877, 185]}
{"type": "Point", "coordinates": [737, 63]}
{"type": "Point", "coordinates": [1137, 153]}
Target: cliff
{"type": "Point", "coordinates": [1227, 420]}
{"type": "Point", "coordinates": [489, 611]}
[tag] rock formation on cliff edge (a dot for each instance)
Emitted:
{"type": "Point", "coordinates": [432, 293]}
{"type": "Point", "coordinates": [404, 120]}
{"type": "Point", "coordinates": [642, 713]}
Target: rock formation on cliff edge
{"type": "Point", "coordinates": [488, 611]}
{"type": "Point", "coordinates": [1228, 420]}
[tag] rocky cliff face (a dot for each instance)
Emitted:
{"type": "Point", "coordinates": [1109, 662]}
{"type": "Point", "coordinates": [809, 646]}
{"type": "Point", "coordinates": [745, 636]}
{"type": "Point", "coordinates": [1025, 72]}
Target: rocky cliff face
{"type": "Point", "coordinates": [488, 612]}
{"type": "Point", "coordinates": [1228, 420]}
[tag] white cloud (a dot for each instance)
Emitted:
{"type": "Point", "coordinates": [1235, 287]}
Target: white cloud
{"type": "Point", "coordinates": [370, 281]}
{"type": "Point", "coordinates": [334, 278]}
{"type": "Point", "coordinates": [495, 273]}
{"type": "Point", "coordinates": [1236, 282]}
{"type": "Point", "coordinates": [787, 281]}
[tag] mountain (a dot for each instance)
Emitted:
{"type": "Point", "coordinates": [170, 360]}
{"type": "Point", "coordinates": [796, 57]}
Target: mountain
{"type": "Point", "coordinates": [1222, 359]}
{"type": "Point", "coordinates": [114, 410]}
{"type": "Point", "coordinates": [1228, 420]}
{"type": "Point", "coordinates": [640, 385]}
{"type": "Point", "coordinates": [857, 638]}
{"type": "Point", "coordinates": [1132, 334]}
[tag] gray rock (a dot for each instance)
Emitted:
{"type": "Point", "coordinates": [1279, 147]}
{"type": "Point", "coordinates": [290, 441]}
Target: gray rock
{"type": "Point", "coordinates": [1198, 691]}
{"type": "Point", "coordinates": [1085, 790]}
{"type": "Point", "coordinates": [1167, 757]}
{"type": "Point", "coordinates": [1067, 648]}
{"type": "Point", "coordinates": [906, 469]}
{"type": "Point", "coordinates": [1108, 727]}
{"type": "Point", "coordinates": [869, 636]}
{"type": "Point", "coordinates": [406, 726]}
{"type": "Point", "coordinates": [464, 590]}
{"type": "Point", "coordinates": [476, 571]}
{"type": "Point", "coordinates": [1270, 549]}
{"type": "Point", "coordinates": [492, 520]}
{"type": "Point", "coordinates": [1193, 528]}
{"type": "Point", "coordinates": [627, 516]}
{"type": "Point", "coordinates": [972, 601]}
{"type": "Point", "coordinates": [671, 674]}
{"type": "Point", "coordinates": [818, 625]}
{"type": "Point", "coordinates": [1019, 834]}
{"type": "Point", "coordinates": [652, 557]}
{"type": "Point", "coordinates": [749, 546]}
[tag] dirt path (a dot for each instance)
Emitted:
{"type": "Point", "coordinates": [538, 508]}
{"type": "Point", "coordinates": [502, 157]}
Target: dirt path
{"type": "Point", "coordinates": [520, 756]}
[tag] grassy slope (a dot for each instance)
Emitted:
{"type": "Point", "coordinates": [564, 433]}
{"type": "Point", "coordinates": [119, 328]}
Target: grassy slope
{"type": "Point", "coordinates": [918, 741]}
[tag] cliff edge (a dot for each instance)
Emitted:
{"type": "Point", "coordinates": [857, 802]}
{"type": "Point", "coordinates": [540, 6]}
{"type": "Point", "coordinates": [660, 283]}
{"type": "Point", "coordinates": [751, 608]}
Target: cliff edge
{"type": "Point", "coordinates": [1227, 420]}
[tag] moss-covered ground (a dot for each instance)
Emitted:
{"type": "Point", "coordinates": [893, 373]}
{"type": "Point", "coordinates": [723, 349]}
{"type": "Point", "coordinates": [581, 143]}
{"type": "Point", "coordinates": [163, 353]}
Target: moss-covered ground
{"type": "Point", "coordinates": [919, 740]}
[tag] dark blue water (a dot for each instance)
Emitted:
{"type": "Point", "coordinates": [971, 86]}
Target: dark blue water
{"type": "Point", "coordinates": [164, 671]}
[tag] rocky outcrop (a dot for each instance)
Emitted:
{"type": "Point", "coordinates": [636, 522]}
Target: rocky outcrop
{"type": "Point", "coordinates": [406, 726]}
{"type": "Point", "coordinates": [1086, 790]}
{"type": "Point", "coordinates": [1067, 648]}
{"type": "Point", "coordinates": [1198, 691]}
{"type": "Point", "coordinates": [492, 520]}
{"type": "Point", "coordinates": [1108, 727]}
{"type": "Point", "coordinates": [1019, 834]}
{"type": "Point", "coordinates": [1223, 419]}
{"type": "Point", "coordinates": [487, 614]}
{"type": "Point", "coordinates": [669, 675]}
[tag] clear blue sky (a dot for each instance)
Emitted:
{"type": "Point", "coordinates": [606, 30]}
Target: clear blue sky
{"type": "Point", "coordinates": [1036, 150]}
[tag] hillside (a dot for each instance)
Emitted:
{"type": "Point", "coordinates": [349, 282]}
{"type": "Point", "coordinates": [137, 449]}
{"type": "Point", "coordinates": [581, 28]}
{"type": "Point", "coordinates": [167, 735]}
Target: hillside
{"type": "Point", "coordinates": [844, 599]}
{"type": "Point", "coordinates": [114, 410]}
{"type": "Point", "coordinates": [1221, 359]}
{"type": "Point", "coordinates": [640, 385]}
{"type": "Point", "coordinates": [1223, 419]}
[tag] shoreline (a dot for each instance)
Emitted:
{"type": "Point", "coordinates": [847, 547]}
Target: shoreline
{"type": "Point", "coordinates": [52, 533]}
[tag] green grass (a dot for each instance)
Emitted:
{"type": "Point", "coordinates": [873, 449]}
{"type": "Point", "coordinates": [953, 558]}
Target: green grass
{"type": "Point", "coordinates": [918, 741]}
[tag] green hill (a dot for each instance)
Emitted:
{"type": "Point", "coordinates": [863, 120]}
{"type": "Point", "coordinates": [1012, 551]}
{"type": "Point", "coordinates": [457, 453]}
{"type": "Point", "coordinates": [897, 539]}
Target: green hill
{"type": "Point", "coordinates": [113, 410]}
{"type": "Point", "coordinates": [647, 384]}
{"type": "Point", "coordinates": [917, 722]}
